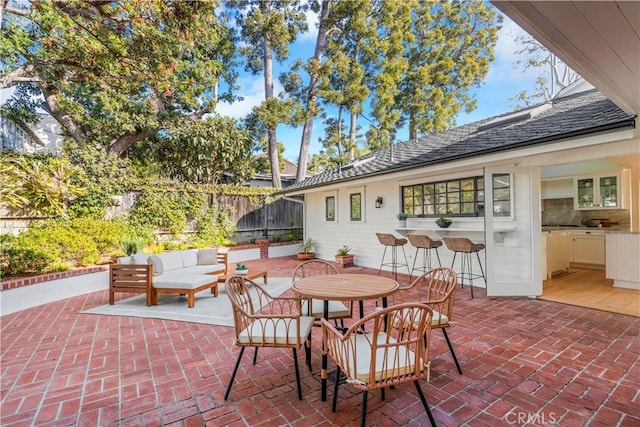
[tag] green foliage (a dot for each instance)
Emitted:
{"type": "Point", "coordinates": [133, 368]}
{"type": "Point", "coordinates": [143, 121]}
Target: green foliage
{"type": "Point", "coordinates": [131, 246]}
{"type": "Point", "coordinates": [240, 266]}
{"type": "Point", "coordinates": [213, 227]}
{"type": "Point", "coordinates": [174, 246]}
{"type": "Point", "coordinates": [344, 250]}
{"type": "Point", "coordinates": [307, 246]}
{"type": "Point", "coordinates": [58, 244]}
{"type": "Point", "coordinates": [402, 216]}
{"type": "Point", "coordinates": [211, 150]}
{"type": "Point", "coordinates": [38, 185]}
{"type": "Point", "coordinates": [120, 78]}
{"type": "Point", "coordinates": [103, 177]}
{"type": "Point", "coordinates": [20, 261]}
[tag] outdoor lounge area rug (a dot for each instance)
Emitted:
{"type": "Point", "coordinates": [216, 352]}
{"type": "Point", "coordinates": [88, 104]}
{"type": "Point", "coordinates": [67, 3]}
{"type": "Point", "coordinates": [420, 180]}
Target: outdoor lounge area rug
{"type": "Point", "coordinates": [207, 309]}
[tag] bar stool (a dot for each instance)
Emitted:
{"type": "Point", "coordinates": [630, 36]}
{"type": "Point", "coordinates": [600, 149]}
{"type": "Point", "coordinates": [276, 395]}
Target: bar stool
{"type": "Point", "coordinates": [390, 240]}
{"type": "Point", "coordinates": [466, 247]}
{"type": "Point", "coordinates": [424, 242]}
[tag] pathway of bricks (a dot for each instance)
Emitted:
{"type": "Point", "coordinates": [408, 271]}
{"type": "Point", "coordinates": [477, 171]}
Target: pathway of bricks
{"type": "Point", "coordinates": [525, 362]}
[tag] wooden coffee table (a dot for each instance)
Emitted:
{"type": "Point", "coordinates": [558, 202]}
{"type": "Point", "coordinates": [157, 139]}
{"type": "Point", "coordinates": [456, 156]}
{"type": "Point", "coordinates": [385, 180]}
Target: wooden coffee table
{"type": "Point", "coordinates": [252, 276]}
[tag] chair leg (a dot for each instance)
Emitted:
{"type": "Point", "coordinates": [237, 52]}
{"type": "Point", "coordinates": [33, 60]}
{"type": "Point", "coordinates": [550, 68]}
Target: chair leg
{"type": "Point", "coordinates": [307, 353]}
{"type": "Point", "coordinates": [413, 267]}
{"type": "Point", "coordinates": [255, 355]}
{"type": "Point", "coordinates": [295, 364]}
{"type": "Point", "coordinates": [481, 270]}
{"type": "Point", "coordinates": [365, 395]}
{"type": "Point", "coordinates": [424, 403]}
{"type": "Point", "coordinates": [453, 353]}
{"type": "Point", "coordinates": [233, 375]}
{"type": "Point", "coordinates": [382, 394]}
{"type": "Point", "coordinates": [382, 262]}
{"type": "Point", "coordinates": [470, 267]}
{"type": "Point", "coordinates": [335, 390]}
{"type": "Point", "coordinates": [438, 255]}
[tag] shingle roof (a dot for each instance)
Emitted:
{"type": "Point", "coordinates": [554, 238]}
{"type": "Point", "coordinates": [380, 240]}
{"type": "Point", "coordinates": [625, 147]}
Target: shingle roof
{"type": "Point", "coordinates": [579, 114]}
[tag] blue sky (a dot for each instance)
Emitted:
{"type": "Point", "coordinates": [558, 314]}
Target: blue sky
{"type": "Point", "coordinates": [501, 83]}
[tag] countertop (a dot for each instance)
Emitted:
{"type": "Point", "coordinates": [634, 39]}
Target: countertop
{"type": "Point", "coordinates": [607, 230]}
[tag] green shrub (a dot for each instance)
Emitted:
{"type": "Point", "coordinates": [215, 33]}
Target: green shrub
{"type": "Point", "coordinates": [174, 246]}
{"type": "Point", "coordinates": [131, 246]}
{"type": "Point", "coordinates": [61, 244]}
{"type": "Point", "coordinates": [16, 261]}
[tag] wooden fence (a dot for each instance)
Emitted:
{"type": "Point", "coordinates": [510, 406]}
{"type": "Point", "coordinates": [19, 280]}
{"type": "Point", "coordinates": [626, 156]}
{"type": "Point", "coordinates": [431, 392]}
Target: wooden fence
{"type": "Point", "coordinates": [274, 219]}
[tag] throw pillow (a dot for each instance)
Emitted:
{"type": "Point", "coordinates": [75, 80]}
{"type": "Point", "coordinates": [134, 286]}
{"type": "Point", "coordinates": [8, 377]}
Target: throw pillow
{"type": "Point", "coordinates": [158, 268]}
{"type": "Point", "coordinates": [139, 259]}
{"type": "Point", "coordinates": [125, 260]}
{"type": "Point", "coordinates": [207, 256]}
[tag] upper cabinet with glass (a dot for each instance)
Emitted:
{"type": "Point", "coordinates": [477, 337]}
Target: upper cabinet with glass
{"type": "Point", "coordinates": [597, 192]}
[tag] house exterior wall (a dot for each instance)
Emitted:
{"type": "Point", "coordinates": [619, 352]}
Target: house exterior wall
{"type": "Point", "coordinates": [360, 236]}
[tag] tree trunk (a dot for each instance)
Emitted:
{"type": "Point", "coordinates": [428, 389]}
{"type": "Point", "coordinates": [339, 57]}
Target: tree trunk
{"type": "Point", "coordinates": [50, 96]}
{"type": "Point", "coordinates": [312, 99]}
{"type": "Point", "coordinates": [353, 125]}
{"type": "Point", "coordinates": [121, 144]}
{"type": "Point", "coordinates": [268, 94]}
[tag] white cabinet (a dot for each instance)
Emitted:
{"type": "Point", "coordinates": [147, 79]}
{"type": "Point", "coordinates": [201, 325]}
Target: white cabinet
{"type": "Point", "coordinates": [588, 247]}
{"type": "Point", "coordinates": [597, 192]}
{"type": "Point", "coordinates": [557, 188]}
{"type": "Point", "coordinates": [558, 252]}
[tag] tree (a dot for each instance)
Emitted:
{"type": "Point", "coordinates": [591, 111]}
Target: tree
{"type": "Point", "coordinates": [212, 150]}
{"type": "Point", "coordinates": [436, 51]}
{"type": "Point", "coordinates": [268, 27]}
{"type": "Point", "coordinates": [557, 75]}
{"type": "Point", "coordinates": [115, 72]}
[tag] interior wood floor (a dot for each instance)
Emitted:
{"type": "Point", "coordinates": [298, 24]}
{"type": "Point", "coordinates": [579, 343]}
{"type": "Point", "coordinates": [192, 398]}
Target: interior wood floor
{"type": "Point", "coordinates": [590, 288]}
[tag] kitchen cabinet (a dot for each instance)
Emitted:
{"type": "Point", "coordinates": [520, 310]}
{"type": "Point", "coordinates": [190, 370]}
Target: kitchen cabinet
{"type": "Point", "coordinates": [597, 192]}
{"type": "Point", "coordinates": [557, 188]}
{"type": "Point", "coordinates": [558, 250]}
{"type": "Point", "coordinates": [588, 247]}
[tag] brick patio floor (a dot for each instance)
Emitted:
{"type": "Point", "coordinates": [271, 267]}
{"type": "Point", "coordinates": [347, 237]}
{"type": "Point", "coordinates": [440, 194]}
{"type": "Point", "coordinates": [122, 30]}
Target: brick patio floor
{"type": "Point", "coordinates": [525, 362]}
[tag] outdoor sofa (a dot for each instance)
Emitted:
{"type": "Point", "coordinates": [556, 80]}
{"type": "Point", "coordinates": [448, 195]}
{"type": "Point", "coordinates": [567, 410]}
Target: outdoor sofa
{"type": "Point", "coordinates": [178, 272]}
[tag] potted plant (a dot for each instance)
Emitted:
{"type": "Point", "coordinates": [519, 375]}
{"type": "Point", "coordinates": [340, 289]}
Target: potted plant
{"type": "Point", "coordinates": [344, 258]}
{"type": "Point", "coordinates": [131, 246]}
{"type": "Point", "coordinates": [241, 269]}
{"type": "Point", "coordinates": [402, 217]}
{"type": "Point", "coordinates": [305, 251]}
{"type": "Point", "coordinates": [444, 222]}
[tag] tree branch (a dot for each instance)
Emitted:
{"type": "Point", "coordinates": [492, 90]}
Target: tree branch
{"type": "Point", "coordinates": [24, 73]}
{"type": "Point", "coordinates": [121, 144]}
{"type": "Point", "coordinates": [50, 94]}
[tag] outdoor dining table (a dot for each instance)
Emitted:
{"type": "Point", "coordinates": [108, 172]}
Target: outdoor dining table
{"type": "Point", "coordinates": [342, 287]}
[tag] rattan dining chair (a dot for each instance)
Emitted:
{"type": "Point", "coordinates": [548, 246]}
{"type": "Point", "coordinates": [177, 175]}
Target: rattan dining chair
{"type": "Point", "coordinates": [435, 288]}
{"type": "Point", "coordinates": [261, 320]}
{"type": "Point", "coordinates": [385, 356]}
{"type": "Point", "coordinates": [337, 309]}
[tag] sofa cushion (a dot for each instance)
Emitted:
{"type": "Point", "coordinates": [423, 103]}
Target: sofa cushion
{"type": "Point", "coordinates": [125, 260]}
{"type": "Point", "coordinates": [207, 256]}
{"type": "Point", "coordinates": [140, 259]}
{"type": "Point", "coordinates": [180, 280]}
{"type": "Point", "coordinates": [156, 262]}
{"type": "Point", "coordinates": [204, 269]}
{"type": "Point", "coordinates": [189, 258]}
{"type": "Point", "coordinates": [171, 260]}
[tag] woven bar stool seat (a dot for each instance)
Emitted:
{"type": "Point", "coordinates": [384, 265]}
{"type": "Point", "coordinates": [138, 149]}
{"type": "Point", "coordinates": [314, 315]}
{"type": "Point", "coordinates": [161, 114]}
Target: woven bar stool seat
{"type": "Point", "coordinates": [424, 243]}
{"type": "Point", "coordinates": [466, 247]}
{"type": "Point", "coordinates": [389, 240]}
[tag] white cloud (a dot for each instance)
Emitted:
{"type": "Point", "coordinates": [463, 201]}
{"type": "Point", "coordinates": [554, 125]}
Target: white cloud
{"type": "Point", "coordinates": [252, 90]}
{"type": "Point", "coordinates": [312, 23]}
{"type": "Point", "coordinates": [503, 68]}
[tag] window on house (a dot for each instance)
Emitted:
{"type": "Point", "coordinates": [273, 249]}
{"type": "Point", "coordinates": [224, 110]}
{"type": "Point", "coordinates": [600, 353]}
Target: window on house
{"type": "Point", "coordinates": [330, 208]}
{"type": "Point", "coordinates": [456, 197]}
{"type": "Point", "coordinates": [356, 206]}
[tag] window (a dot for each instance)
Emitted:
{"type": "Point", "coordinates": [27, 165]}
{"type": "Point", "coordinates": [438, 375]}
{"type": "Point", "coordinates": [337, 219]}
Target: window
{"type": "Point", "coordinates": [355, 206]}
{"type": "Point", "coordinates": [330, 208]}
{"type": "Point", "coordinates": [456, 197]}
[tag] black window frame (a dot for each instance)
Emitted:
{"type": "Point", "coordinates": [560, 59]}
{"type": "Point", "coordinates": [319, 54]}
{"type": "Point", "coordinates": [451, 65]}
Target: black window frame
{"type": "Point", "coordinates": [330, 208]}
{"type": "Point", "coordinates": [459, 197]}
{"type": "Point", "coordinates": [355, 208]}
